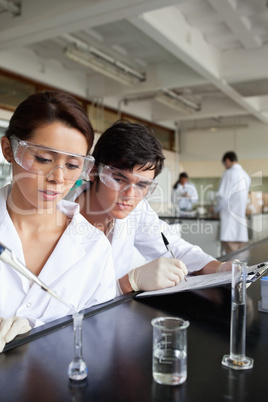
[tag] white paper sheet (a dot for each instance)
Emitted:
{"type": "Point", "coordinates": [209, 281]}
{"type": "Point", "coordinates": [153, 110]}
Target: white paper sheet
{"type": "Point", "coordinates": [206, 281]}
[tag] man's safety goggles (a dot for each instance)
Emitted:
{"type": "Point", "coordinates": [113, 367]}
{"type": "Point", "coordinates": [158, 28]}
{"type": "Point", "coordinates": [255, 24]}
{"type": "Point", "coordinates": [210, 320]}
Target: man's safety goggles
{"type": "Point", "coordinates": [122, 180]}
{"type": "Point", "coordinates": [44, 161]}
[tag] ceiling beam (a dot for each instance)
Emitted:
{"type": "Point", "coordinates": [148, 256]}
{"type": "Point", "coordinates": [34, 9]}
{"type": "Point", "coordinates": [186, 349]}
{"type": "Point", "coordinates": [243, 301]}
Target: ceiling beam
{"type": "Point", "coordinates": [41, 20]}
{"type": "Point", "coordinates": [170, 30]}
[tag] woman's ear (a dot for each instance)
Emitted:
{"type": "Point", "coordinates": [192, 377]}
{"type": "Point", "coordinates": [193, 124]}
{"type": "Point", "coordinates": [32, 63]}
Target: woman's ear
{"type": "Point", "coordinates": [93, 175]}
{"type": "Point", "coordinates": [6, 149]}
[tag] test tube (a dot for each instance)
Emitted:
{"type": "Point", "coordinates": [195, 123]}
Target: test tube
{"type": "Point", "coordinates": [77, 370]}
{"type": "Point", "coordinates": [237, 358]}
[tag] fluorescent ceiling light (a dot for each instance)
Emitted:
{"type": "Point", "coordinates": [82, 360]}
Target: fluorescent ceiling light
{"type": "Point", "coordinates": [168, 98]}
{"type": "Point", "coordinates": [214, 129]}
{"type": "Point", "coordinates": [177, 102]}
{"type": "Point", "coordinates": [104, 64]}
{"type": "Point", "coordinates": [171, 104]}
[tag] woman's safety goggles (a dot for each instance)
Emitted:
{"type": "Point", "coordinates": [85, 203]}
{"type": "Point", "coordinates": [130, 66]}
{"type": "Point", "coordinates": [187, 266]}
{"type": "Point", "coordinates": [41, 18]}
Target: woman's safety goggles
{"type": "Point", "coordinates": [44, 161]}
{"type": "Point", "coordinates": [122, 180]}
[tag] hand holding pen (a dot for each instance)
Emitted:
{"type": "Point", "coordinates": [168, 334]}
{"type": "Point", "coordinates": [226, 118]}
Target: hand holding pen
{"type": "Point", "coordinates": [165, 240]}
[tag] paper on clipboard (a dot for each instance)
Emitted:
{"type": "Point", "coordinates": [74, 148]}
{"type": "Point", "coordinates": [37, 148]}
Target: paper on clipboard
{"type": "Point", "coordinates": [208, 281]}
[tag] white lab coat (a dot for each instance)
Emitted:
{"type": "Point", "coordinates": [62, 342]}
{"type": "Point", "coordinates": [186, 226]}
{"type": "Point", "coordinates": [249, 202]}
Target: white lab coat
{"type": "Point", "coordinates": [180, 199]}
{"type": "Point", "coordinates": [142, 229]}
{"type": "Point", "coordinates": [232, 199]}
{"type": "Point", "coordinates": [80, 270]}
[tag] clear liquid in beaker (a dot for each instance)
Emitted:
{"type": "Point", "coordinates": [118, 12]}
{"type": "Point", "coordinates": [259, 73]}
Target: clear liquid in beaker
{"type": "Point", "coordinates": [169, 366]}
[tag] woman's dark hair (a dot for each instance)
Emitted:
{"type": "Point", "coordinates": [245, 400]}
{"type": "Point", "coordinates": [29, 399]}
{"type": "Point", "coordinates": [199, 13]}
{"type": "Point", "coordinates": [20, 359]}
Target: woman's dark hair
{"type": "Point", "coordinates": [46, 108]}
{"type": "Point", "coordinates": [125, 145]}
{"type": "Point", "coordinates": [181, 176]}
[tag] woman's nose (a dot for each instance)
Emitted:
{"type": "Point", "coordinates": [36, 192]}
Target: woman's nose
{"type": "Point", "coordinates": [56, 174]}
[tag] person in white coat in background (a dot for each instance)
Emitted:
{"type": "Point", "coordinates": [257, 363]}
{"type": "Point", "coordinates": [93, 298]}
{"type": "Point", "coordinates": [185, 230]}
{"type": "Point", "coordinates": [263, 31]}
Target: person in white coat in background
{"type": "Point", "coordinates": [128, 157]}
{"type": "Point", "coordinates": [47, 143]}
{"type": "Point", "coordinates": [232, 197]}
{"type": "Point", "coordinates": [184, 193]}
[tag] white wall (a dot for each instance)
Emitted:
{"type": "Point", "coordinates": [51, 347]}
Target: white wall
{"type": "Point", "coordinates": [201, 150]}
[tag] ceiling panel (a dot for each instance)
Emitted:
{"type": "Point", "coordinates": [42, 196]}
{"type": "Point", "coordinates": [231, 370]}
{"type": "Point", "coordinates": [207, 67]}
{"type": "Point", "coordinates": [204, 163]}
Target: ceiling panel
{"type": "Point", "coordinates": [193, 50]}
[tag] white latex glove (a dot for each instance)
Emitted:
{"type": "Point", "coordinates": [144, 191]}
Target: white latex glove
{"type": "Point", "coordinates": [226, 266]}
{"type": "Point", "coordinates": [158, 274]}
{"type": "Point", "coordinates": [10, 328]}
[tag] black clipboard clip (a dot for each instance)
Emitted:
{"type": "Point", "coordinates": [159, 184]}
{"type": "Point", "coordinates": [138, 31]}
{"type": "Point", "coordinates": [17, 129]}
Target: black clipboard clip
{"type": "Point", "coordinates": [258, 271]}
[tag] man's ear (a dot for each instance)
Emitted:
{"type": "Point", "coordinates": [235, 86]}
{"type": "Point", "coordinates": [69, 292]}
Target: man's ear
{"type": "Point", "coordinates": [6, 149]}
{"type": "Point", "coordinates": [93, 175]}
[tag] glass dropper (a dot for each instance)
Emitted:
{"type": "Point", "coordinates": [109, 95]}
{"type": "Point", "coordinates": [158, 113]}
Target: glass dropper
{"type": "Point", "coordinates": [9, 257]}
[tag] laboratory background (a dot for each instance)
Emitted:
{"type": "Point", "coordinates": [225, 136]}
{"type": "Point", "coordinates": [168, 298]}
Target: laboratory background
{"type": "Point", "coordinates": [196, 72]}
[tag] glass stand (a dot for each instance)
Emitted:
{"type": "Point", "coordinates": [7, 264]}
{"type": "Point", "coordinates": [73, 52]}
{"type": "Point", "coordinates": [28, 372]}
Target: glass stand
{"type": "Point", "coordinates": [77, 370]}
{"type": "Point", "coordinates": [237, 359]}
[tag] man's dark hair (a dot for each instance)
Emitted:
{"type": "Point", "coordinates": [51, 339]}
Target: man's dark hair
{"type": "Point", "coordinates": [231, 156]}
{"type": "Point", "coordinates": [125, 145]}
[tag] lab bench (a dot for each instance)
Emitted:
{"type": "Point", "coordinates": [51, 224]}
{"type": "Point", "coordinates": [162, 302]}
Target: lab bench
{"type": "Point", "coordinates": [203, 231]}
{"type": "Point", "coordinates": [117, 347]}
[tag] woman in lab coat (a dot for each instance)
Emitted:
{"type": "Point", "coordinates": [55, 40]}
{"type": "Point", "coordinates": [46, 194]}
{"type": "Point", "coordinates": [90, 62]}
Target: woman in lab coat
{"type": "Point", "coordinates": [232, 199]}
{"type": "Point", "coordinates": [47, 143]}
{"type": "Point", "coordinates": [128, 157]}
{"type": "Point", "coordinates": [184, 193]}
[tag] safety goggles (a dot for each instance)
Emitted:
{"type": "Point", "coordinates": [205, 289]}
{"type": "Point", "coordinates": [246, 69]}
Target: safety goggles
{"type": "Point", "coordinates": [121, 180]}
{"type": "Point", "coordinates": [44, 161]}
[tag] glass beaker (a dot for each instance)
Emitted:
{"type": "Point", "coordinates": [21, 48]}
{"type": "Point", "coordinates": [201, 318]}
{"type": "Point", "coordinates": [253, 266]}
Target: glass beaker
{"type": "Point", "coordinates": [169, 350]}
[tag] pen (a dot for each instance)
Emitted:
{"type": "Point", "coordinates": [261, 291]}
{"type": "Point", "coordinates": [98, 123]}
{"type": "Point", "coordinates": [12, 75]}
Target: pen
{"type": "Point", "coordinates": [165, 240]}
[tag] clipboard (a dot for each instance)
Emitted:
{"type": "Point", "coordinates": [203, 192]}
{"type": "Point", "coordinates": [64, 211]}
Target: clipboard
{"type": "Point", "coordinates": [195, 282]}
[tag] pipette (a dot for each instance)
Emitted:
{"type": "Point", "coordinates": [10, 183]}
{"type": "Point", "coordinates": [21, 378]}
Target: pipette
{"type": "Point", "coordinates": [9, 257]}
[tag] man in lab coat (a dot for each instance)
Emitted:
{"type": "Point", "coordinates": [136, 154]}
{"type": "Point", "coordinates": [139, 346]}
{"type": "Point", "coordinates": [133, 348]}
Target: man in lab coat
{"type": "Point", "coordinates": [232, 199]}
{"type": "Point", "coordinates": [128, 157]}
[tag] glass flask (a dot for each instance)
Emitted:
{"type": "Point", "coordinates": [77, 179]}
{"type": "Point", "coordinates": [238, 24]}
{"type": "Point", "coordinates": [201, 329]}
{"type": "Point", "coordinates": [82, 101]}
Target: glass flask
{"type": "Point", "coordinates": [77, 370]}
